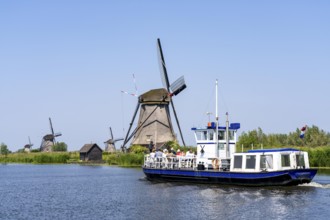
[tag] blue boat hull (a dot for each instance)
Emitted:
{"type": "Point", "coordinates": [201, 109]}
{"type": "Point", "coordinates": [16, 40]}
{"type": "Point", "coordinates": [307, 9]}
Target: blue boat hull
{"type": "Point", "coordinates": [274, 178]}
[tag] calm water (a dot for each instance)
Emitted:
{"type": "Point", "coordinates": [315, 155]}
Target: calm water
{"type": "Point", "coordinates": [102, 192]}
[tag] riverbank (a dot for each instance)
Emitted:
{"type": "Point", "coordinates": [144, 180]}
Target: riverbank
{"type": "Point", "coordinates": [318, 157]}
{"type": "Point", "coordinates": [119, 159]}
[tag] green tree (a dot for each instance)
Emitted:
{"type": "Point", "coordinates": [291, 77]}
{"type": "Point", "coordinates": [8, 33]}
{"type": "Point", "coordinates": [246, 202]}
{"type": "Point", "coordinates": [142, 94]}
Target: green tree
{"type": "Point", "coordinates": [4, 149]}
{"type": "Point", "coordinates": [60, 146]}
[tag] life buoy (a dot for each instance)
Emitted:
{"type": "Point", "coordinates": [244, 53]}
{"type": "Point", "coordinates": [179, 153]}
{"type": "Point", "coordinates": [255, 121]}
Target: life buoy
{"type": "Point", "coordinates": [215, 163]}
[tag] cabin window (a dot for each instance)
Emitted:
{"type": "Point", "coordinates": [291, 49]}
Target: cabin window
{"type": "Point", "coordinates": [266, 162]}
{"type": "Point", "coordinates": [221, 135]}
{"type": "Point", "coordinates": [300, 160]}
{"type": "Point", "coordinates": [221, 146]}
{"type": "Point", "coordinates": [211, 135]}
{"type": "Point", "coordinates": [250, 161]}
{"type": "Point", "coordinates": [204, 135]}
{"type": "Point", "coordinates": [201, 135]}
{"type": "Point", "coordinates": [231, 135]}
{"type": "Point", "coordinates": [285, 160]}
{"type": "Point", "coordinates": [238, 162]}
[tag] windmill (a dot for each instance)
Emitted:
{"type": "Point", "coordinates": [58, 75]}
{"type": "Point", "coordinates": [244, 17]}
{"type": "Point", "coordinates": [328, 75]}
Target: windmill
{"type": "Point", "coordinates": [110, 144]}
{"type": "Point", "coordinates": [49, 139]}
{"type": "Point", "coordinates": [27, 147]}
{"type": "Point", "coordinates": [154, 125]}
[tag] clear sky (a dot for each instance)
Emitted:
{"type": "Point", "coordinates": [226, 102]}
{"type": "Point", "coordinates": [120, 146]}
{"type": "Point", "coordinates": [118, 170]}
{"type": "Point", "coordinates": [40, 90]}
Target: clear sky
{"type": "Point", "coordinates": [69, 60]}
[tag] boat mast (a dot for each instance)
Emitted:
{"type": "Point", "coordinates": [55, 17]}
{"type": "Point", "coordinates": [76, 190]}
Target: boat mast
{"type": "Point", "coordinates": [216, 117]}
{"type": "Point", "coordinates": [227, 136]}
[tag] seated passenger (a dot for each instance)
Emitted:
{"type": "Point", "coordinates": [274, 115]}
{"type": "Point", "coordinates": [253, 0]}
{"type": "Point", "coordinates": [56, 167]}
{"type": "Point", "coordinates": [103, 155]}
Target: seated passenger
{"type": "Point", "coordinates": [153, 154]}
{"type": "Point", "coordinates": [173, 151]}
{"type": "Point", "coordinates": [190, 153]}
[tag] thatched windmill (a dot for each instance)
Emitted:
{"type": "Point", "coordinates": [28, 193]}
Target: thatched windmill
{"type": "Point", "coordinates": [49, 139]}
{"type": "Point", "coordinates": [110, 144]}
{"type": "Point", "coordinates": [154, 125]}
{"type": "Point", "coordinates": [27, 147]}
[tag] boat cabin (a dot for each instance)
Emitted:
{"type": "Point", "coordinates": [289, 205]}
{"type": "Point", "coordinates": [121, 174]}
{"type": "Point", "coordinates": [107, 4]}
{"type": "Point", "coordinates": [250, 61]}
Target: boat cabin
{"type": "Point", "coordinates": [210, 147]}
{"type": "Point", "coordinates": [269, 160]}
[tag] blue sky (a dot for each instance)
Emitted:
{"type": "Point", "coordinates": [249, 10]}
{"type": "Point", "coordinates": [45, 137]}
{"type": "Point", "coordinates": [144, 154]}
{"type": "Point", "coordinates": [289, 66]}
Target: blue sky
{"type": "Point", "coordinates": [69, 60]}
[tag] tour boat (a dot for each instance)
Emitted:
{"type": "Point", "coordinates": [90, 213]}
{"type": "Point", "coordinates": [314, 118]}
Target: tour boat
{"type": "Point", "coordinates": [217, 162]}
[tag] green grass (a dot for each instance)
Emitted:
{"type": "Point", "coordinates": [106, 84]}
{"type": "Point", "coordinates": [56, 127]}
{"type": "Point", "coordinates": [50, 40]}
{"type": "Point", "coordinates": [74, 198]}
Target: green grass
{"type": "Point", "coordinates": [39, 158]}
{"type": "Point", "coordinates": [125, 160]}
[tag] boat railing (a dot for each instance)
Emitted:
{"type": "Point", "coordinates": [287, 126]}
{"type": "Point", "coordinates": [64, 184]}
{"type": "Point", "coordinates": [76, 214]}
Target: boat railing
{"type": "Point", "coordinates": [175, 162]}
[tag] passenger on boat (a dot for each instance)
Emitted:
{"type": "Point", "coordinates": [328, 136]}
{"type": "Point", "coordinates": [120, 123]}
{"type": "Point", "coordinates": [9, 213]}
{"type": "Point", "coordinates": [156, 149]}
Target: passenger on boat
{"type": "Point", "coordinates": [173, 151]}
{"type": "Point", "coordinates": [178, 153]}
{"type": "Point", "coordinates": [190, 153]}
{"type": "Point", "coordinates": [158, 154]}
{"type": "Point", "coordinates": [153, 154]}
{"type": "Point", "coordinates": [151, 146]}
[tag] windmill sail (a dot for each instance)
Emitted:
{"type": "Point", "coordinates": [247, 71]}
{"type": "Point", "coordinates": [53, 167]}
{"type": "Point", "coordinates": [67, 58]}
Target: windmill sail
{"type": "Point", "coordinates": [178, 86]}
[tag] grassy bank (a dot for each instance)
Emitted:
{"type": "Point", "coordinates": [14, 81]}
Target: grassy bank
{"type": "Point", "coordinates": [125, 160]}
{"type": "Point", "coordinates": [40, 157]}
{"type": "Point", "coordinates": [120, 159]}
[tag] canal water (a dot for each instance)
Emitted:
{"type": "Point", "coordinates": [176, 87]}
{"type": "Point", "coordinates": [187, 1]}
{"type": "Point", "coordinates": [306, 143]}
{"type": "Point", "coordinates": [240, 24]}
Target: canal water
{"type": "Point", "coordinates": [105, 192]}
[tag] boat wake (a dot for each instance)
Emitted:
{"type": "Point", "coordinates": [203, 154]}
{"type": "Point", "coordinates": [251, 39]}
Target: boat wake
{"type": "Point", "coordinates": [316, 185]}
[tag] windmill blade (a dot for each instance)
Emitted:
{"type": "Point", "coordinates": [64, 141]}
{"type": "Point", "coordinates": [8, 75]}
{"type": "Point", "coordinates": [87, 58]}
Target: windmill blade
{"type": "Point", "coordinates": [111, 134]}
{"type": "Point", "coordinates": [58, 134]}
{"type": "Point", "coordinates": [118, 139]}
{"type": "Point", "coordinates": [30, 142]}
{"type": "Point", "coordinates": [162, 67]}
{"type": "Point", "coordinates": [178, 86]}
{"type": "Point", "coordinates": [136, 90]}
{"type": "Point", "coordinates": [177, 122]}
{"type": "Point", "coordinates": [51, 126]}
{"type": "Point", "coordinates": [132, 94]}
{"type": "Point", "coordinates": [130, 126]}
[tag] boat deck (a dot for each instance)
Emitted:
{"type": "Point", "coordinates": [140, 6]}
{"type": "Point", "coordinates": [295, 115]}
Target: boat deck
{"type": "Point", "coordinates": [177, 163]}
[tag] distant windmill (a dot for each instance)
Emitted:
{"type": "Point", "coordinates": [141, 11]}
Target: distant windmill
{"type": "Point", "coordinates": [154, 125]}
{"type": "Point", "coordinates": [49, 139]}
{"type": "Point", "coordinates": [110, 144]}
{"type": "Point", "coordinates": [27, 147]}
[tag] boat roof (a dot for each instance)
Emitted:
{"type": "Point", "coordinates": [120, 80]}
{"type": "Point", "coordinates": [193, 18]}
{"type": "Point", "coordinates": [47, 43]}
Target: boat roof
{"type": "Point", "coordinates": [233, 126]}
{"type": "Point", "coordinates": [272, 150]}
